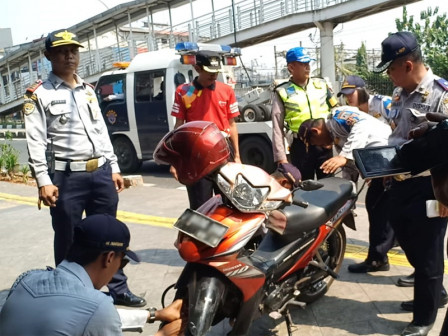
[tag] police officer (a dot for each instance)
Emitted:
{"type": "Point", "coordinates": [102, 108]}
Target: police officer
{"type": "Point", "coordinates": [295, 101]}
{"type": "Point", "coordinates": [70, 153]}
{"type": "Point", "coordinates": [417, 92]}
{"type": "Point", "coordinates": [381, 234]}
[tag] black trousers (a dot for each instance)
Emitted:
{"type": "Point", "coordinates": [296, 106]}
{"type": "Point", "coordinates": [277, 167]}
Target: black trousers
{"type": "Point", "coordinates": [201, 192]}
{"type": "Point", "coordinates": [204, 189]}
{"type": "Point", "coordinates": [92, 192]}
{"type": "Point", "coordinates": [422, 240]}
{"type": "Point", "coordinates": [309, 162]}
{"type": "Point", "coordinates": [381, 234]}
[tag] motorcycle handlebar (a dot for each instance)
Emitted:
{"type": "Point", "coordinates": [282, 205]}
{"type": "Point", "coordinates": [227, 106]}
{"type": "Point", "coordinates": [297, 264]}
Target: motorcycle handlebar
{"type": "Point", "coordinates": [302, 204]}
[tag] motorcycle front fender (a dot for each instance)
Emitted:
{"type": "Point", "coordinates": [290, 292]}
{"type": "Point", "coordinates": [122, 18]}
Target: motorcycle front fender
{"type": "Point", "coordinates": [204, 297]}
{"type": "Point", "coordinates": [204, 289]}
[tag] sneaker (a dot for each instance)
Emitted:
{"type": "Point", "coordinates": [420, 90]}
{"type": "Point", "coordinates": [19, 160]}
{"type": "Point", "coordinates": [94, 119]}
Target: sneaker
{"type": "Point", "coordinates": [369, 266]}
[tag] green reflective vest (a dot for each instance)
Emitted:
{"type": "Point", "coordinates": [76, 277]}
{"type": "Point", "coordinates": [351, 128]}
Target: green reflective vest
{"type": "Point", "coordinates": [301, 104]}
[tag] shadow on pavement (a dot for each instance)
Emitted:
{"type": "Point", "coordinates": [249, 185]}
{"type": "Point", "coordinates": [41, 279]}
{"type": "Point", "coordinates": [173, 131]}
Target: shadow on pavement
{"type": "Point", "coordinates": [168, 257]}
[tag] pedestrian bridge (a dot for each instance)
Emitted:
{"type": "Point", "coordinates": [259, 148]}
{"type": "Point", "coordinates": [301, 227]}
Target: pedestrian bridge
{"type": "Point", "coordinates": [119, 33]}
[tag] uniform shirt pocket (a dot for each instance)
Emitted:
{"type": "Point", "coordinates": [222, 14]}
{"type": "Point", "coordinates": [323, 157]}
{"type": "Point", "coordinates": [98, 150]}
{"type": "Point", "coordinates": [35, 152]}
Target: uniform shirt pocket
{"type": "Point", "coordinates": [58, 116]}
{"type": "Point", "coordinates": [95, 111]}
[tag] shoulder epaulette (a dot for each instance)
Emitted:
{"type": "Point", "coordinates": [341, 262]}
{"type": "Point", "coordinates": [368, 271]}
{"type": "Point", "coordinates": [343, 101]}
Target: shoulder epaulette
{"type": "Point", "coordinates": [281, 84]}
{"type": "Point", "coordinates": [92, 86]}
{"type": "Point", "coordinates": [33, 87]}
{"type": "Point", "coordinates": [443, 83]}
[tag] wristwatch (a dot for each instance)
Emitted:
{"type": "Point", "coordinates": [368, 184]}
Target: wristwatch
{"type": "Point", "coordinates": [152, 315]}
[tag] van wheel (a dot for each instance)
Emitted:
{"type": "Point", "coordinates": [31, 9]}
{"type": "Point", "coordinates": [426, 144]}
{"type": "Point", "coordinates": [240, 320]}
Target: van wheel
{"type": "Point", "coordinates": [266, 110]}
{"type": "Point", "coordinates": [256, 151]}
{"type": "Point", "coordinates": [125, 152]}
{"type": "Point", "coordinates": [252, 113]}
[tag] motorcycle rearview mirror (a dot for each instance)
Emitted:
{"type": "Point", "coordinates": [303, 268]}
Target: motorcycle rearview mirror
{"type": "Point", "coordinates": [309, 185]}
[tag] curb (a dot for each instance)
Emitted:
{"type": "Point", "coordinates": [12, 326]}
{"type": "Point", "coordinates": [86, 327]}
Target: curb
{"type": "Point", "coordinates": [16, 133]}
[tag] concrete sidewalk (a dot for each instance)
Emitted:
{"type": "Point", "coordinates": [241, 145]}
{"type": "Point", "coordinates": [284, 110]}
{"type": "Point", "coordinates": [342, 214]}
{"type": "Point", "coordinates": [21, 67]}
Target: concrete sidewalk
{"type": "Point", "coordinates": [356, 304]}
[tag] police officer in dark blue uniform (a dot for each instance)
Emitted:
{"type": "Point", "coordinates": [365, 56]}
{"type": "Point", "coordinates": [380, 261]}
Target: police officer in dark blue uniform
{"type": "Point", "coordinates": [70, 153]}
{"type": "Point", "coordinates": [417, 92]}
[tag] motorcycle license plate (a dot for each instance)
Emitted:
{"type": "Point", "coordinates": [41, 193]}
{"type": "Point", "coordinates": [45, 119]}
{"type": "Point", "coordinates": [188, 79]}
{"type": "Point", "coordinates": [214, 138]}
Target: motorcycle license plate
{"type": "Point", "coordinates": [201, 227]}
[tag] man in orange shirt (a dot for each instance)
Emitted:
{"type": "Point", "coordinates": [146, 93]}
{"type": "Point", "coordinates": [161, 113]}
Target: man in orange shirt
{"type": "Point", "coordinates": [207, 99]}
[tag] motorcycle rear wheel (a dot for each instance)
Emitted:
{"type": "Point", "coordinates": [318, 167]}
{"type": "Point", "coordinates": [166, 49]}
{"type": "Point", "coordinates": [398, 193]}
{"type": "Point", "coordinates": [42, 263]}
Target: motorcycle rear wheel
{"type": "Point", "coordinates": [332, 252]}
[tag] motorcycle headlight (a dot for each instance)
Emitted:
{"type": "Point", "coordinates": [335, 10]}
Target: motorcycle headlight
{"type": "Point", "coordinates": [246, 197]}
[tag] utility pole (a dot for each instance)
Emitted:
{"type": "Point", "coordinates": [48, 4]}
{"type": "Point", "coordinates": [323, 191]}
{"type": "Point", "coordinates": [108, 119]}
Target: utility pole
{"type": "Point", "coordinates": [275, 60]}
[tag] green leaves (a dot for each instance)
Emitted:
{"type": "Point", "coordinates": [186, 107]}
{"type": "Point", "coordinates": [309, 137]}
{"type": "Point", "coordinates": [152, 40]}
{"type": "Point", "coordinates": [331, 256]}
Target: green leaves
{"type": "Point", "coordinates": [9, 156]}
{"type": "Point", "coordinates": [432, 34]}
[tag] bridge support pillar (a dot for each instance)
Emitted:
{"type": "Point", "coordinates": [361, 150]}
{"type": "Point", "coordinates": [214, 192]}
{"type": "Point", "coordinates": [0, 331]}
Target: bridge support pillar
{"type": "Point", "coordinates": [327, 63]}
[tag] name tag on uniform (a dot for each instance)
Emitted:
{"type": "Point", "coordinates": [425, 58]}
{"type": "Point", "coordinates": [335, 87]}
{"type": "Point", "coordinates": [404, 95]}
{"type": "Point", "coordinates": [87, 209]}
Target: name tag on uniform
{"type": "Point", "coordinates": [56, 102]}
{"type": "Point", "coordinates": [421, 107]}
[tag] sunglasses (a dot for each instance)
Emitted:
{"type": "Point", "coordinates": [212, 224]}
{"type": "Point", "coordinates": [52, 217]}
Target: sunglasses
{"type": "Point", "coordinates": [124, 261]}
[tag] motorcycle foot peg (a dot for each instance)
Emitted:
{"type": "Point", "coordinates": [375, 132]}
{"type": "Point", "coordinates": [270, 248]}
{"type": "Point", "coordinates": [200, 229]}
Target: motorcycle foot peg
{"type": "Point", "coordinates": [332, 273]}
{"type": "Point", "coordinates": [275, 315]}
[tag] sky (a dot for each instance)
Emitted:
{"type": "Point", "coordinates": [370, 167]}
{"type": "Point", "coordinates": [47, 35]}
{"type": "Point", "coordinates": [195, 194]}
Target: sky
{"type": "Point", "coordinates": [31, 19]}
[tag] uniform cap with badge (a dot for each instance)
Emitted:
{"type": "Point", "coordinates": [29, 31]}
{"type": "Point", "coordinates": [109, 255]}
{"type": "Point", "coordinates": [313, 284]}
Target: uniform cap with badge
{"type": "Point", "coordinates": [298, 54]}
{"type": "Point", "coordinates": [350, 84]}
{"type": "Point", "coordinates": [59, 38]}
{"type": "Point", "coordinates": [395, 46]}
{"type": "Point", "coordinates": [104, 232]}
{"type": "Point", "coordinates": [210, 61]}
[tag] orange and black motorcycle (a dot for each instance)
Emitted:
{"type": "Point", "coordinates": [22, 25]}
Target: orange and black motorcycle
{"type": "Point", "coordinates": [257, 247]}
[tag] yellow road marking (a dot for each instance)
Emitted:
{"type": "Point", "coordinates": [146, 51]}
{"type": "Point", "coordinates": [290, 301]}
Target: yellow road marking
{"type": "Point", "coordinates": [124, 216]}
{"type": "Point", "coordinates": [396, 256]}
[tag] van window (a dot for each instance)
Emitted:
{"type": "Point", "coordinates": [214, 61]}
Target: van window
{"type": "Point", "coordinates": [149, 85]}
{"type": "Point", "coordinates": [179, 79]}
{"type": "Point", "coordinates": [110, 88]}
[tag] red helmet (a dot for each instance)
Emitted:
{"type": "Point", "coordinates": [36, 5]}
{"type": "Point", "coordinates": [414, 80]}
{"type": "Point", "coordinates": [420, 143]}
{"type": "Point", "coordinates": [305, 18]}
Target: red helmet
{"type": "Point", "coordinates": [195, 149]}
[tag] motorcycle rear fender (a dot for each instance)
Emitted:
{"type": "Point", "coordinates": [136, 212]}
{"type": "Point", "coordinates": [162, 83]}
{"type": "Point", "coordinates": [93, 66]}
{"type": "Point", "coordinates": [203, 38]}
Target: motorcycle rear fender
{"type": "Point", "coordinates": [349, 221]}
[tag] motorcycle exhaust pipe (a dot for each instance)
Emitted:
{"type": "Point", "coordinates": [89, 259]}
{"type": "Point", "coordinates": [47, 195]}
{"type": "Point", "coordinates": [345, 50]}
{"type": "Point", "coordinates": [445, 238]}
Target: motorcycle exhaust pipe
{"type": "Point", "coordinates": [205, 295]}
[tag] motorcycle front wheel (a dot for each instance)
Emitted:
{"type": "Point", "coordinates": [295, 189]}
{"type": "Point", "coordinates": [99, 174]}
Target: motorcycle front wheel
{"type": "Point", "coordinates": [332, 253]}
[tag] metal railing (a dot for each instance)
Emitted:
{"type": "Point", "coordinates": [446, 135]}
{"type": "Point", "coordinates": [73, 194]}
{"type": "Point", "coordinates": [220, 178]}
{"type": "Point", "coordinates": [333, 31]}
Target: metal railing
{"type": "Point", "coordinates": [243, 15]}
{"type": "Point", "coordinates": [248, 14]}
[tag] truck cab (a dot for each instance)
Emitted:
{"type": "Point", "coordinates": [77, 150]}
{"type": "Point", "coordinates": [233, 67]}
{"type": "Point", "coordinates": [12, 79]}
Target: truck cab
{"type": "Point", "coordinates": [136, 101]}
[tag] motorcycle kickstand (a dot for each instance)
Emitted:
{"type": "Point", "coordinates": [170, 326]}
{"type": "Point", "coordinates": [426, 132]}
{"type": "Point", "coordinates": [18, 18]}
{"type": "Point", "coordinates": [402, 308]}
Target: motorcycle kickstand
{"type": "Point", "coordinates": [288, 321]}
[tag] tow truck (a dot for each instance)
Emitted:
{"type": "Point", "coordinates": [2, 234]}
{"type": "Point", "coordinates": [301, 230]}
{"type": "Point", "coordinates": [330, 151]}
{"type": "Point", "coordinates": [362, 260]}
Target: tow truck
{"type": "Point", "coordinates": [136, 100]}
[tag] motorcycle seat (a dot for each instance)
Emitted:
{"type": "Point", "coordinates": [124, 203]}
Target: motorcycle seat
{"type": "Point", "coordinates": [324, 203]}
{"type": "Point", "coordinates": [273, 250]}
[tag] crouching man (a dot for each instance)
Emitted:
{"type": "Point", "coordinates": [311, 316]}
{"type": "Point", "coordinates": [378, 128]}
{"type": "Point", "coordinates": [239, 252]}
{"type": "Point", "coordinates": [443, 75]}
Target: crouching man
{"type": "Point", "coordinates": [67, 300]}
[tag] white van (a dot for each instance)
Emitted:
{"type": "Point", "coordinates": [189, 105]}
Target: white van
{"type": "Point", "coordinates": [136, 101]}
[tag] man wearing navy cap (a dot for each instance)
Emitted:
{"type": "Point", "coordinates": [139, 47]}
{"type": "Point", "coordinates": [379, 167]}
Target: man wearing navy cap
{"type": "Point", "coordinates": [418, 91]}
{"type": "Point", "coordinates": [68, 301]}
{"type": "Point", "coordinates": [295, 101]}
{"type": "Point", "coordinates": [70, 152]}
{"type": "Point", "coordinates": [210, 100]}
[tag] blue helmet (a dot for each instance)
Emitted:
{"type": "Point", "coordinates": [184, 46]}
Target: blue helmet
{"type": "Point", "coordinates": [298, 54]}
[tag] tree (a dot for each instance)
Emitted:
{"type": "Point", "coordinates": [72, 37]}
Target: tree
{"type": "Point", "coordinates": [361, 59]}
{"type": "Point", "coordinates": [432, 35]}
